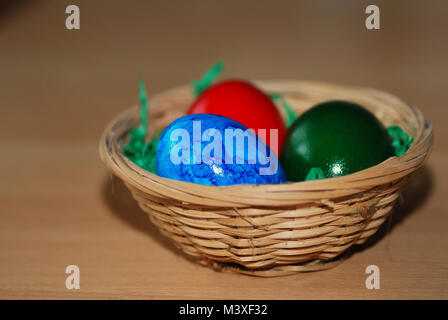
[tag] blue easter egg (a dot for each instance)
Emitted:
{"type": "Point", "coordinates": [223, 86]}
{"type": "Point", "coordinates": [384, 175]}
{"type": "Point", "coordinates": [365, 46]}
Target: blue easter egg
{"type": "Point", "coordinates": [215, 150]}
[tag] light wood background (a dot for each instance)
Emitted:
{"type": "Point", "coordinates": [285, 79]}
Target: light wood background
{"type": "Point", "coordinates": [59, 88]}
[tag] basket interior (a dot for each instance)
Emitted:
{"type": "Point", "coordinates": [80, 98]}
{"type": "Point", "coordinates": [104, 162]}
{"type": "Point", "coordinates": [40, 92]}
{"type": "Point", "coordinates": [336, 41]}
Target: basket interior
{"type": "Point", "coordinates": [300, 95]}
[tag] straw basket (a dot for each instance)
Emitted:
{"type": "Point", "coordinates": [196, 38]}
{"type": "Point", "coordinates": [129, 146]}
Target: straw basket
{"type": "Point", "coordinates": [271, 230]}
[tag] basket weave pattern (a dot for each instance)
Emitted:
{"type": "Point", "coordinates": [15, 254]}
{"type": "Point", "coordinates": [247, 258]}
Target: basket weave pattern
{"type": "Point", "coordinates": [272, 230]}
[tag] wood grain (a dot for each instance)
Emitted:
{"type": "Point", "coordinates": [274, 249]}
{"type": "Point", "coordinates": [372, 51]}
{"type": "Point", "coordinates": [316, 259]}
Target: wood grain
{"type": "Point", "coordinates": [59, 88]}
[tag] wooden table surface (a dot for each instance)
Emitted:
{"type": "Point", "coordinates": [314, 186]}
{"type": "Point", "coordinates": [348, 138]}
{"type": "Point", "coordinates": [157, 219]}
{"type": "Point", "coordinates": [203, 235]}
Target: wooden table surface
{"type": "Point", "coordinates": [59, 88]}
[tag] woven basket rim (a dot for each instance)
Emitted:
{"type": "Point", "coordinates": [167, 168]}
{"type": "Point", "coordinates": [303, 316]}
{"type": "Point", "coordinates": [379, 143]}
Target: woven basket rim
{"type": "Point", "coordinates": [291, 193]}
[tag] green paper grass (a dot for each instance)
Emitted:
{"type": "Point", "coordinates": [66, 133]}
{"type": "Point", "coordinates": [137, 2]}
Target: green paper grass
{"type": "Point", "coordinates": [136, 150]}
{"type": "Point", "coordinates": [290, 114]}
{"type": "Point", "coordinates": [207, 79]}
{"type": "Point", "coordinates": [133, 150]}
{"type": "Point", "coordinates": [149, 153]}
{"type": "Point", "coordinates": [401, 141]}
{"type": "Point", "coordinates": [315, 173]}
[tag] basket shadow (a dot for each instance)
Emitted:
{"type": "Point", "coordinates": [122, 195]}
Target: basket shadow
{"type": "Point", "coordinates": [124, 207]}
{"type": "Point", "coordinates": [415, 192]}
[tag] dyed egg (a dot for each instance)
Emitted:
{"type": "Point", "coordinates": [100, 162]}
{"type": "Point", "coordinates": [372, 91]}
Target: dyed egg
{"type": "Point", "coordinates": [338, 137]}
{"type": "Point", "coordinates": [214, 150]}
{"type": "Point", "coordinates": [245, 103]}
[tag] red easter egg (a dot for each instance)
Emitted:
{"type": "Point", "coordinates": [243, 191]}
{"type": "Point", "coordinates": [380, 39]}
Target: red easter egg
{"type": "Point", "coordinates": [243, 102]}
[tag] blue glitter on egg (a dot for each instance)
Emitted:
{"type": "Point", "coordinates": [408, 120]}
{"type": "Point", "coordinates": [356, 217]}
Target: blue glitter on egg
{"type": "Point", "coordinates": [181, 156]}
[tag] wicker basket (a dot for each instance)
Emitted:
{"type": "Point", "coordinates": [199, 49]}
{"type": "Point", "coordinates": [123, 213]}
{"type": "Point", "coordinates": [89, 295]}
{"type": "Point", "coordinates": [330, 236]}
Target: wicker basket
{"type": "Point", "coordinates": [271, 230]}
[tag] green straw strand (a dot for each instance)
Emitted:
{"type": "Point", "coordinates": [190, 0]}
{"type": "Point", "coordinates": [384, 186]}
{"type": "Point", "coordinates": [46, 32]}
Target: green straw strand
{"type": "Point", "coordinates": [401, 141]}
{"type": "Point", "coordinates": [315, 173]}
{"type": "Point", "coordinates": [209, 76]}
{"type": "Point", "coordinates": [290, 114]}
{"type": "Point", "coordinates": [134, 148]}
{"type": "Point", "coordinates": [143, 107]}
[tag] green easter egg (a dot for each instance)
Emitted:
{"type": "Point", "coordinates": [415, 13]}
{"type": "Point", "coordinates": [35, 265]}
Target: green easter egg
{"type": "Point", "coordinates": [338, 137]}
